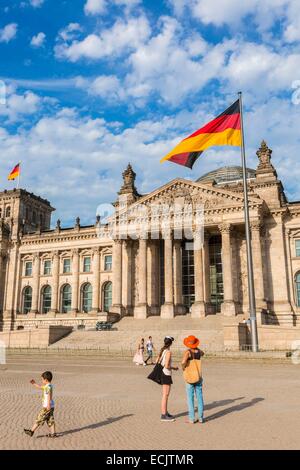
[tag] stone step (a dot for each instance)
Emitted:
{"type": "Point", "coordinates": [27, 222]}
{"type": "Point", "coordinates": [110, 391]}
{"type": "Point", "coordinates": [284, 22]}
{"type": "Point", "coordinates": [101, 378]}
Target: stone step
{"type": "Point", "coordinates": [128, 332]}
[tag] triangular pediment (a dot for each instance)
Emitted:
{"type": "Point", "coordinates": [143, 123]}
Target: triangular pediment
{"type": "Point", "coordinates": [185, 191]}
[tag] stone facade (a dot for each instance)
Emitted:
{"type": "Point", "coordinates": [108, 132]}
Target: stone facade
{"type": "Point", "coordinates": [79, 275]}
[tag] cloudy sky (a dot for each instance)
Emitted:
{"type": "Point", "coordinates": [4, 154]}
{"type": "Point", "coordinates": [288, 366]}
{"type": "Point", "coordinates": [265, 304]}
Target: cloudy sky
{"type": "Point", "coordinates": [94, 84]}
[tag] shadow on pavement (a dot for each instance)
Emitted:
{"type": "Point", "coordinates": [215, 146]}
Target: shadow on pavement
{"type": "Point", "coordinates": [212, 405]}
{"type": "Point", "coordinates": [234, 408]}
{"type": "Point", "coordinates": [215, 404]}
{"type": "Point", "coordinates": [91, 426]}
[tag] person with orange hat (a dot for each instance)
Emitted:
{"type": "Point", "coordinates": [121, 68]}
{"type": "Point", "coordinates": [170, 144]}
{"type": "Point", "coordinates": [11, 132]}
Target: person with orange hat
{"type": "Point", "coordinates": [192, 372]}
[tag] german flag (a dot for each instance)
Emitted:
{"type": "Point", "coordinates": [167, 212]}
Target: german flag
{"type": "Point", "coordinates": [223, 130]}
{"type": "Point", "coordinates": [15, 173]}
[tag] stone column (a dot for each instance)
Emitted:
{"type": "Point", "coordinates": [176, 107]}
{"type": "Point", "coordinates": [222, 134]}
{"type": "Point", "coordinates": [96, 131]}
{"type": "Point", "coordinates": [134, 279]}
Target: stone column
{"type": "Point", "coordinates": [180, 309]}
{"type": "Point", "coordinates": [55, 283]}
{"type": "Point", "coordinates": [198, 308]}
{"type": "Point", "coordinates": [142, 307]}
{"type": "Point", "coordinates": [2, 277]}
{"type": "Point", "coordinates": [207, 297]}
{"type": "Point", "coordinates": [117, 277]}
{"type": "Point", "coordinates": [280, 292]}
{"type": "Point", "coordinates": [167, 310]}
{"type": "Point", "coordinates": [258, 266]}
{"type": "Point", "coordinates": [228, 306]}
{"type": "Point", "coordinates": [96, 281]}
{"type": "Point", "coordinates": [36, 284]}
{"type": "Point", "coordinates": [153, 277]}
{"type": "Point", "coordinates": [127, 277]}
{"type": "Point", "coordinates": [9, 287]}
{"type": "Point", "coordinates": [75, 281]}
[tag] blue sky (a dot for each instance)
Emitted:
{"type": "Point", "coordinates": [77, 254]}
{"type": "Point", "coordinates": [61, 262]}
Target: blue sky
{"type": "Point", "coordinates": [94, 84]}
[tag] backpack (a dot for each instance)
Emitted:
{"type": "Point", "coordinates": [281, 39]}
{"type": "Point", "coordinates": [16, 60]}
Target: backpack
{"type": "Point", "coordinates": [192, 373]}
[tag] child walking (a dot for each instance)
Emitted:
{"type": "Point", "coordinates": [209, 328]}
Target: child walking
{"type": "Point", "coordinates": [46, 415]}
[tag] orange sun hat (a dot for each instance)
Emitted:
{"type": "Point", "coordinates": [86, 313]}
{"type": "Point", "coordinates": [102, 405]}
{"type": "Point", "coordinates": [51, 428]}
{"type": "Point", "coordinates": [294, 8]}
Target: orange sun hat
{"type": "Point", "coordinates": [191, 342]}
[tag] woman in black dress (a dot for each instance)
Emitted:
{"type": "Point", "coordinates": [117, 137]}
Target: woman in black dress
{"type": "Point", "coordinates": [165, 358]}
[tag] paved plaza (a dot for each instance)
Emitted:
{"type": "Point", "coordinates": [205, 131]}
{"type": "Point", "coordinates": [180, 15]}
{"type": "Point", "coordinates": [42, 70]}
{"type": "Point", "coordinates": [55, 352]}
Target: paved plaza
{"type": "Point", "coordinates": [105, 404]}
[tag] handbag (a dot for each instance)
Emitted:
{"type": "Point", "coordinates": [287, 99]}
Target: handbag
{"type": "Point", "coordinates": [156, 374]}
{"type": "Point", "coordinates": [192, 373]}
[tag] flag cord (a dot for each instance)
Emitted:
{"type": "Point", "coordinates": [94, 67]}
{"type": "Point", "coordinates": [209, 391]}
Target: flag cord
{"type": "Point", "coordinates": [252, 303]}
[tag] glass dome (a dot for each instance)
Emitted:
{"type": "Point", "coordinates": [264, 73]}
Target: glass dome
{"type": "Point", "coordinates": [226, 174]}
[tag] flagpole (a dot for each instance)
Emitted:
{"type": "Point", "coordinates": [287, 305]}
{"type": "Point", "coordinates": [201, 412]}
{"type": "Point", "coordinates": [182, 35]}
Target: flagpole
{"type": "Point", "coordinates": [252, 303]}
{"type": "Point", "coordinates": [19, 176]}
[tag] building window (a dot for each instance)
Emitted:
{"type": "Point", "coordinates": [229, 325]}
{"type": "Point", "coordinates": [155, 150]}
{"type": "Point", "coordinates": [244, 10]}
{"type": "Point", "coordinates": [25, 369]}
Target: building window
{"type": "Point", "coordinates": [47, 267]}
{"type": "Point", "coordinates": [8, 212]}
{"type": "Point", "coordinates": [41, 220]}
{"type": "Point", "coordinates": [27, 300]}
{"type": "Point", "coordinates": [87, 298]}
{"type": "Point", "coordinates": [66, 298]}
{"type": "Point", "coordinates": [188, 274]}
{"type": "Point", "coordinates": [297, 282]}
{"type": "Point", "coordinates": [28, 268]}
{"type": "Point", "coordinates": [87, 264]}
{"type": "Point", "coordinates": [46, 299]}
{"type": "Point", "coordinates": [34, 217]}
{"type": "Point", "coordinates": [297, 243]}
{"type": "Point", "coordinates": [0, 212]}
{"type": "Point", "coordinates": [107, 296]}
{"type": "Point", "coordinates": [216, 272]}
{"type": "Point", "coordinates": [108, 263]}
{"type": "Point", "coordinates": [67, 265]}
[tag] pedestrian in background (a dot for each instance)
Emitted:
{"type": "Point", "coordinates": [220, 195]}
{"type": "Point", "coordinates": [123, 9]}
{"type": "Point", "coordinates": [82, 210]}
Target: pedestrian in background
{"type": "Point", "coordinates": [139, 355]}
{"type": "Point", "coordinates": [150, 349]}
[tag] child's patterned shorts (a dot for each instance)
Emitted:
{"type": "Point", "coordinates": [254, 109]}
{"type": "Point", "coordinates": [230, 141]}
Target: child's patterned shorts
{"type": "Point", "coordinates": [45, 416]}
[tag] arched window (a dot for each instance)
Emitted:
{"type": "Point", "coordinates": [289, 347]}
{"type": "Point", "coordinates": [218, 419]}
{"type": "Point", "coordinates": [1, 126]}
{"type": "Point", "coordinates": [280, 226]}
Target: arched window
{"type": "Point", "coordinates": [46, 299]}
{"type": "Point", "coordinates": [27, 300]}
{"type": "Point", "coordinates": [297, 285]}
{"type": "Point", "coordinates": [87, 298]}
{"type": "Point", "coordinates": [66, 298]}
{"type": "Point", "coordinates": [107, 296]}
{"type": "Point", "coordinates": [8, 212]}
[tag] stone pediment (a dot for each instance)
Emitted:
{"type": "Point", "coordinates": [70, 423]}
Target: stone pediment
{"type": "Point", "coordinates": [180, 191]}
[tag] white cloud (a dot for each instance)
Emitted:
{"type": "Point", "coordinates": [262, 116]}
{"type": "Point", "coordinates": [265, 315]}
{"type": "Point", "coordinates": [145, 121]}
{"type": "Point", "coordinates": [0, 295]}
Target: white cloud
{"type": "Point", "coordinates": [19, 105]}
{"type": "Point", "coordinates": [99, 7]}
{"type": "Point", "coordinates": [124, 35]}
{"type": "Point", "coordinates": [9, 32]}
{"type": "Point", "coordinates": [261, 70]}
{"type": "Point", "coordinates": [174, 67]}
{"type": "Point", "coordinates": [107, 87]}
{"type": "Point", "coordinates": [38, 40]}
{"type": "Point", "coordinates": [264, 13]}
{"type": "Point", "coordinates": [95, 7]}
{"type": "Point", "coordinates": [36, 3]}
{"type": "Point", "coordinates": [70, 32]}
